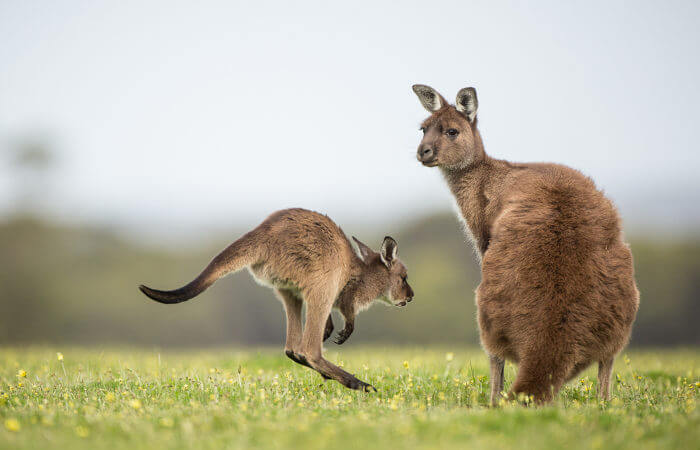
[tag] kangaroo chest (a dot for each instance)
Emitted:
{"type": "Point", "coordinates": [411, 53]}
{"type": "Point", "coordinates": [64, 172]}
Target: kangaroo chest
{"type": "Point", "coordinates": [479, 201]}
{"type": "Point", "coordinates": [472, 213]}
{"type": "Point", "coordinates": [472, 207]}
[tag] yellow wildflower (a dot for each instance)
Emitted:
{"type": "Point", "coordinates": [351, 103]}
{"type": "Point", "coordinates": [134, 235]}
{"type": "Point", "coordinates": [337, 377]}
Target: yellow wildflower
{"type": "Point", "coordinates": [449, 356]}
{"type": "Point", "coordinates": [59, 356]}
{"type": "Point", "coordinates": [167, 422]}
{"type": "Point", "coordinates": [22, 373]}
{"type": "Point", "coordinates": [12, 425]}
{"type": "Point", "coordinates": [136, 403]}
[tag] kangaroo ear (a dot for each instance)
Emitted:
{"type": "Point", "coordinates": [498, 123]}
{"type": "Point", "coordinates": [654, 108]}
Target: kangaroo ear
{"type": "Point", "coordinates": [467, 103]}
{"type": "Point", "coordinates": [366, 253]}
{"type": "Point", "coordinates": [389, 251]}
{"type": "Point", "coordinates": [429, 97]}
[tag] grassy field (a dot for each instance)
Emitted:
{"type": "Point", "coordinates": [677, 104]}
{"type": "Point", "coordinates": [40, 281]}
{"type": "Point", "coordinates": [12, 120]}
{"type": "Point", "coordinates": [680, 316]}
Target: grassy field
{"type": "Point", "coordinates": [428, 398]}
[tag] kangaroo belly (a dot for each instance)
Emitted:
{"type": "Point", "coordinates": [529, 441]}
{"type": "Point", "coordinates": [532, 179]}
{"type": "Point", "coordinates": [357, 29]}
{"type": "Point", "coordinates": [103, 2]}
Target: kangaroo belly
{"type": "Point", "coordinates": [264, 276]}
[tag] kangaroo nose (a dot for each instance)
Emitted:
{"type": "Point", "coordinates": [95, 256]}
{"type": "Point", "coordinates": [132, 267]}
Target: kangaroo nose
{"type": "Point", "coordinates": [425, 153]}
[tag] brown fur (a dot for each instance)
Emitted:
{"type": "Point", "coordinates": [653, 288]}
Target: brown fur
{"type": "Point", "coordinates": [557, 291]}
{"type": "Point", "coordinates": [306, 257]}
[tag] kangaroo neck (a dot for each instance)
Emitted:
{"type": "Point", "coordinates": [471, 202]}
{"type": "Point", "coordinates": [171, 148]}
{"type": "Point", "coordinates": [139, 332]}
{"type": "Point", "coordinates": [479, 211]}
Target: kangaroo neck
{"type": "Point", "coordinates": [477, 189]}
{"type": "Point", "coordinates": [364, 286]}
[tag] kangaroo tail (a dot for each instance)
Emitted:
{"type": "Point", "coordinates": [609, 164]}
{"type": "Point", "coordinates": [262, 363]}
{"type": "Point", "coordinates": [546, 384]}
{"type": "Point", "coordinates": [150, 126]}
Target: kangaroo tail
{"type": "Point", "coordinates": [543, 370]}
{"type": "Point", "coordinates": [235, 257]}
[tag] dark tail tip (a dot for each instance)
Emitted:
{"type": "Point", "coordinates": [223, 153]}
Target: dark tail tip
{"type": "Point", "coordinates": [159, 296]}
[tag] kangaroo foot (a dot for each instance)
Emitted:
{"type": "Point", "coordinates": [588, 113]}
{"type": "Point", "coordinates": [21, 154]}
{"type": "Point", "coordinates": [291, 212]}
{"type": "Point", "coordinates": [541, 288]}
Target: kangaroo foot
{"type": "Point", "coordinates": [301, 359]}
{"type": "Point", "coordinates": [360, 385]}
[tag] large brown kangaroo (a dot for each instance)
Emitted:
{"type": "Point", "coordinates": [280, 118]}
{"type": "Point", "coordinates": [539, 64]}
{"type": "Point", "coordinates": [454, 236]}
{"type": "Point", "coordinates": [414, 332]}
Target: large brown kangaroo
{"type": "Point", "coordinates": [306, 257]}
{"type": "Point", "coordinates": [557, 289]}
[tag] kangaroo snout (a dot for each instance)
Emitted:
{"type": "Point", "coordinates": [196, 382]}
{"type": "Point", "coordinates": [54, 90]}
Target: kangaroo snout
{"type": "Point", "coordinates": [405, 301]}
{"type": "Point", "coordinates": [427, 154]}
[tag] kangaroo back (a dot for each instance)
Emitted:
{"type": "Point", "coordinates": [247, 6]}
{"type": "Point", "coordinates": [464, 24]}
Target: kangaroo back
{"type": "Point", "coordinates": [235, 257]}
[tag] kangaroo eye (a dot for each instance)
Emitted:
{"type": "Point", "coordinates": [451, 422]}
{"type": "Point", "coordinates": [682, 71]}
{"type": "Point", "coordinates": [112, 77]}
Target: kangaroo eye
{"type": "Point", "coordinates": [452, 132]}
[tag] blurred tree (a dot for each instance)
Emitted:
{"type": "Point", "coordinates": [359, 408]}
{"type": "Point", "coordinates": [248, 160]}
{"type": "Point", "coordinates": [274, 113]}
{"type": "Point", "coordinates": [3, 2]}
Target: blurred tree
{"type": "Point", "coordinates": [79, 285]}
{"type": "Point", "coordinates": [31, 160]}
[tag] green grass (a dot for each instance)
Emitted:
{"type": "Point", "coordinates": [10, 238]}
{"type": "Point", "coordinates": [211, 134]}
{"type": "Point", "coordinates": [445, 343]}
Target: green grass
{"type": "Point", "coordinates": [434, 398]}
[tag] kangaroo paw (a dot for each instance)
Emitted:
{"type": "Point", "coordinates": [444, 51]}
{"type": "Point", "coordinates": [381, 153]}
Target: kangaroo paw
{"type": "Point", "coordinates": [344, 334]}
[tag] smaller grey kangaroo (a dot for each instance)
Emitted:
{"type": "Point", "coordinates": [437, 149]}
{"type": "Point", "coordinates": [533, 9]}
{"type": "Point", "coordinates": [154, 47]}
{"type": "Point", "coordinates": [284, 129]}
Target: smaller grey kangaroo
{"type": "Point", "coordinates": [305, 257]}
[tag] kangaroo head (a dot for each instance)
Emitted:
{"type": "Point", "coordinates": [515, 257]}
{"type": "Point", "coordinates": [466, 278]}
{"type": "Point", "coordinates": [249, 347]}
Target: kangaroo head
{"type": "Point", "coordinates": [450, 139]}
{"type": "Point", "coordinates": [386, 272]}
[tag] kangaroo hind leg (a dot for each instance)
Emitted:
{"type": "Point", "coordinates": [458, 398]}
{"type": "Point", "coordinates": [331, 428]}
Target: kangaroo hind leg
{"type": "Point", "coordinates": [497, 366]}
{"type": "Point", "coordinates": [605, 367]}
{"type": "Point", "coordinates": [318, 307]}
{"type": "Point", "coordinates": [292, 307]}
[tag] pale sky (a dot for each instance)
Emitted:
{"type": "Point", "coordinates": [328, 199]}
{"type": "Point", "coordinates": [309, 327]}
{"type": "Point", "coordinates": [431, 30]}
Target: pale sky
{"type": "Point", "coordinates": [172, 116]}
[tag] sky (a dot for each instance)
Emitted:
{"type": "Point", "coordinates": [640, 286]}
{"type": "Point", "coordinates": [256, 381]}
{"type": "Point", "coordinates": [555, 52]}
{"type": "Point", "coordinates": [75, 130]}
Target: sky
{"type": "Point", "coordinates": [178, 117]}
